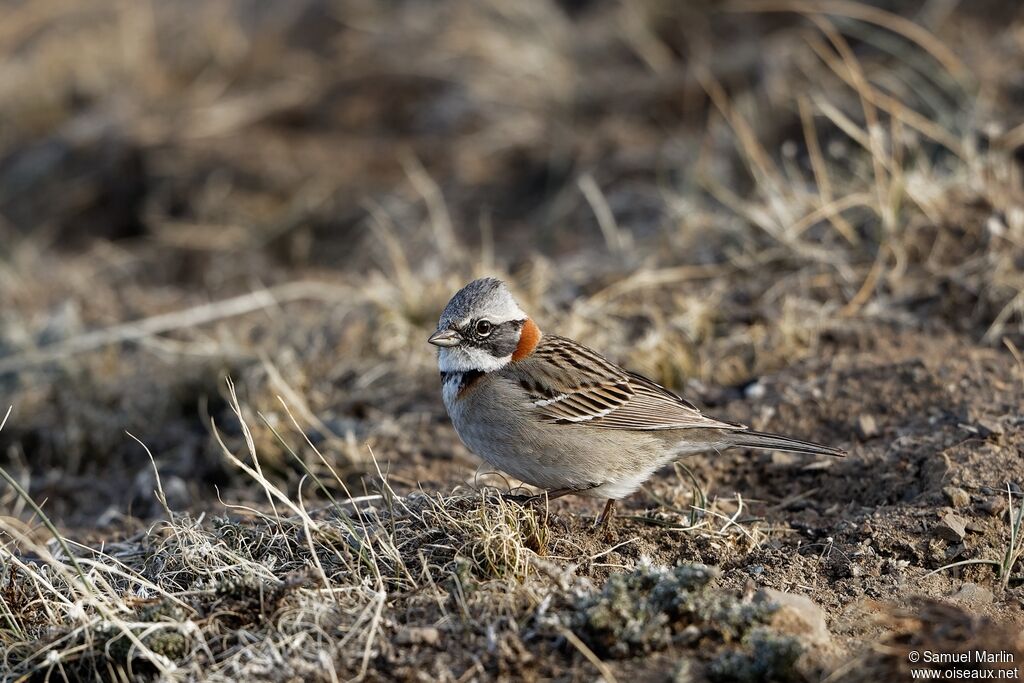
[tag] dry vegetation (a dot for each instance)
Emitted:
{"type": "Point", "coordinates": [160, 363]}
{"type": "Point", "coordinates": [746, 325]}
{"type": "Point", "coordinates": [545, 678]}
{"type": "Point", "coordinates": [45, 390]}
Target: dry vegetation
{"type": "Point", "coordinates": [226, 229]}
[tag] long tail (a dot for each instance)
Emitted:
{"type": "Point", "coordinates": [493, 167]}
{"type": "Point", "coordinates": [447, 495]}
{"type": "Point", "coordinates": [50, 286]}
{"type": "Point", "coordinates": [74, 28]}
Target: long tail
{"type": "Point", "coordinates": [778, 442]}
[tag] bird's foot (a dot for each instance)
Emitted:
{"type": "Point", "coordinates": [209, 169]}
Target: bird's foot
{"type": "Point", "coordinates": [604, 520]}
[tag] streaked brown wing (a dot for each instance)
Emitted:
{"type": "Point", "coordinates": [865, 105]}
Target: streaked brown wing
{"type": "Point", "coordinates": [570, 384]}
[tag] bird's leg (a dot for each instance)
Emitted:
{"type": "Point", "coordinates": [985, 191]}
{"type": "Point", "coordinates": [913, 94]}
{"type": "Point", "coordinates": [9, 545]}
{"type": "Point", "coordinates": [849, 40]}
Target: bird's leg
{"type": "Point", "coordinates": [605, 518]}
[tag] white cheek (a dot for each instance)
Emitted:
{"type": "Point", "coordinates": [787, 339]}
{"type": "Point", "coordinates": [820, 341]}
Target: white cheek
{"type": "Point", "coordinates": [459, 359]}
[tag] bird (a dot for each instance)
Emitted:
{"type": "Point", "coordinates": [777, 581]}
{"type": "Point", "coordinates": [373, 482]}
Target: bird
{"type": "Point", "coordinates": [561, 417]}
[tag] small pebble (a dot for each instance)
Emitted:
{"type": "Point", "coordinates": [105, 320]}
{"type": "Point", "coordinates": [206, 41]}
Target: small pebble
{"type": "Point", "coordinates": [974, 527]}
{"type": "Point", "coordinates": [994, 505]}
{"type": "Point", "coordinates": [990, 427]}
{"type": "Point", "coordinates": [867, 426]}
{"type": "Point", "coordinates": [957, 497]}
{"type": "Point", "coordinates": [955, 551]}
{"type": "Point", "coordinates": [798, 615]}
{"type": "Point", "coordinates": [973, 594]}
{"type": "Point", "coordinates": [755, 391]}
{"type": "Point", "coordinates": [951, 527]}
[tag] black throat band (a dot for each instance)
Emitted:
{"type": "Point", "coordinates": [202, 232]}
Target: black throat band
{"type": "Point", "coordinates": [465, 379]}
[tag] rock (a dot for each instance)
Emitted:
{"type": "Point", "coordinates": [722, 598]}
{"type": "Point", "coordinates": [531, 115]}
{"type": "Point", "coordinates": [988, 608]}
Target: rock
{"type": "Point", "coordinates": [755, 391]}
{"type": "Point", "coordinates": [951, 527]}
{"type": "Point", "coordinates": [989, 427]}
{"type": "Point", "coordinates": [975, 527]}
{"type": "Point", "coordinates": [867, 426]}
{"type": "Point", "coordinates": [798, 616]}
{"type": "Point", "coordinates": [955, 550]}
{"type": "Point", "coordinates": [973, 594]}
{"type": "Point", "coordinates": [418, 635]}
{"type": "Point", "coordinates": [957, 497]}
{"type": "Point", "coordinates": [995, 506]}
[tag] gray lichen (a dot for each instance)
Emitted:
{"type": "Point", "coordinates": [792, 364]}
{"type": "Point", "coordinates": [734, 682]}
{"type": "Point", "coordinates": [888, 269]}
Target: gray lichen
{"type": "Point", "coordinates": [648, 609]}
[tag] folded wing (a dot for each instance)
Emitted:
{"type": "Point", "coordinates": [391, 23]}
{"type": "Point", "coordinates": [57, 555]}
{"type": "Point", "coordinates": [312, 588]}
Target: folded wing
{"type": "Point", "coordinates": [569, 384]}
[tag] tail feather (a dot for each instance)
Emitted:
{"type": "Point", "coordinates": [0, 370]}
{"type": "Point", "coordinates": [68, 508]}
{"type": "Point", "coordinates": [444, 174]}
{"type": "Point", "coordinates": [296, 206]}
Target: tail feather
{"type": "Point", "coordinates": [778, 442]}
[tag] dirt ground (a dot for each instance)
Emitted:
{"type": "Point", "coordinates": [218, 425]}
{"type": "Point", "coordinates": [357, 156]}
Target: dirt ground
{"type": "Point", "coordinates": [227, 228]}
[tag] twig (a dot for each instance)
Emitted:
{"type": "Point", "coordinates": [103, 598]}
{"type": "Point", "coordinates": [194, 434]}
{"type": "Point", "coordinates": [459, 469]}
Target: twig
{"type": "Point", "coordinates": [166, 322]}
{"type": "Point", "coordinates": [574, 640]}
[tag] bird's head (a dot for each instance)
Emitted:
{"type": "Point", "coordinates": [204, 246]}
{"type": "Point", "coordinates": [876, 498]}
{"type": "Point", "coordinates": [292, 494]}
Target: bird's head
{"type": "Point", "coordinates": [483, 328]}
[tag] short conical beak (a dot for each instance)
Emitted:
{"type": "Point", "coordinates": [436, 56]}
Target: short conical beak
{"type": "Point", "coordinates": [445, 338]}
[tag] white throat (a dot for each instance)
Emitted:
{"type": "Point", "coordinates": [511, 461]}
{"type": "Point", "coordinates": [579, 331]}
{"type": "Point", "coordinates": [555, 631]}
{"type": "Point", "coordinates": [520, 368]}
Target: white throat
{"type": "Point", "coordinates": [459, 359]}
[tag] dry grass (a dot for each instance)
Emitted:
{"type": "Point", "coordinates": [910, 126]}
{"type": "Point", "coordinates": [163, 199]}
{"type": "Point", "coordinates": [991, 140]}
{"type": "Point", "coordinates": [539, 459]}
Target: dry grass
{"type": "Point", "coordinates": [319, 592]}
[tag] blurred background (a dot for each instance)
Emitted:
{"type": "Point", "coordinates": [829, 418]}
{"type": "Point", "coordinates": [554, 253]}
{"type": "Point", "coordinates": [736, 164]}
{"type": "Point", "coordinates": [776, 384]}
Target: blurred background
{"type": "Point", "coordinates": [287, 193]}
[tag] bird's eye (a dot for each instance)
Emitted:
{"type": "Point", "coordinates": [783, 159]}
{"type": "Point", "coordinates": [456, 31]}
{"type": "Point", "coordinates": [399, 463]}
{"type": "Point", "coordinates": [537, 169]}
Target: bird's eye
{"type": "Point", "coordinates": [484, 327]}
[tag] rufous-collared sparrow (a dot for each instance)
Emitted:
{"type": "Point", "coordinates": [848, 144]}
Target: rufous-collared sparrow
{"type": "Point", "coordinates": [558, 416]}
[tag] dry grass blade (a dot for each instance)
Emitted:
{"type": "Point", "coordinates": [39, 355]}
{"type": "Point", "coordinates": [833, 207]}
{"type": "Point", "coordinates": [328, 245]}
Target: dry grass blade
{"type": "Point", "coordinates": [761, 166]}
{"type": "Point", "coordinates": [430, 191]}
{"type": "Point", "coordinates": [872, 98]}
{"type": "Point", "coordinates": [830, 210]}
{"type": "Point", "coordinates": [864, 12]}
{"type": "Point", "coordinates": [86, 582]}
{"type": "Point", "coordinates": [646, 279]}
{"type": "Point", "coordinates": [161, 496]}
{"type": "Point", "coordinates": [588, 654]}
{"type": "Point", "coordinates": [617, 240]}
{"type": "Point", "coordinates": [998, 326]}
{"type": "Point", "coordinates": [859, 82]}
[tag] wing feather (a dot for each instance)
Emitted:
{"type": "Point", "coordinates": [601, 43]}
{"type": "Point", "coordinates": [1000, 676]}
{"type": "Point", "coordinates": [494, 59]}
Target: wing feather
{"type": "Point", "coordinates": [568, 383]}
